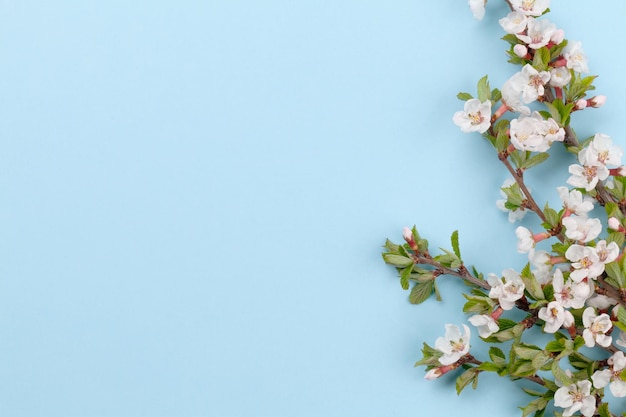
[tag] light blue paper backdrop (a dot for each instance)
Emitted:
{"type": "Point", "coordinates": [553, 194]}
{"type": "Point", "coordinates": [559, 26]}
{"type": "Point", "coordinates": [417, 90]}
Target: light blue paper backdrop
{"type": "Point", "coordinates": [195, 194]}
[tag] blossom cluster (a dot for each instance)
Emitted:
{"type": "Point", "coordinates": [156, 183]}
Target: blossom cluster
{"type": "Point", "coordinates": [573, 286]}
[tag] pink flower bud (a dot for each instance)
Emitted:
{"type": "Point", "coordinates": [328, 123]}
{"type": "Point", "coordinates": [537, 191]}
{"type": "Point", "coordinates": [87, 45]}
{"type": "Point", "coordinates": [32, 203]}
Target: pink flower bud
{"type": "Point", "coordinates": [407, 234]}
{"type": "Point", "coordinates": [614, 224]}
{"type": "Point", "coordinates": [597, 101]}
{"type": "Point", "coordinates": [520, 50]}
{"type": "Point", "coordinates": [581, 104]}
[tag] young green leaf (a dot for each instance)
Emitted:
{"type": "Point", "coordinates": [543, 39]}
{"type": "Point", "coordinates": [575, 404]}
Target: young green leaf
{"type": "Point", "coordinates": [420, 292]}
{"type": "Point", "coordinates": [455, 243]}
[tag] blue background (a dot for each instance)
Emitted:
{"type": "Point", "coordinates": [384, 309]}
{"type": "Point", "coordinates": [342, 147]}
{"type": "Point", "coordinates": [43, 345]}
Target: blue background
{"type": "Point", "coordinates": [195, 194]}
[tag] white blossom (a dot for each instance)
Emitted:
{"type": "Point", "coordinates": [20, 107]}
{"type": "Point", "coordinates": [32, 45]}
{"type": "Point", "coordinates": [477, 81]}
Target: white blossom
{"type": "Point", "coordinates": [512, 98]}
{"type": "Point", "coordinates": [475, 117]}
{"type": "Point", "coordinates": [587, 176]}
{"type": "Point", "coordinates": [575, 202]}
{"type": "Point", "coordinates": [540, 259]}
{"type": "Point", "coordinates": [585, 262]}
{"type": "Point", "coordinates": [531, 7]}
{"type": "Point", "coordinates": [454, 345]}
{"type": "Point", "coordinates": [530, 83]}
{"type": "Point", "coordinates": [568, 293]}
{"type": "Point", "coordinates": [514, 22]}
{"type": "Point", "coordinates": [582, 228]}
{"type": "Point", "coordinates": [576, 397]}
{"type": "Point", "coordinates": [596, 328]}
{"type": "Point", "coordinates": [560, 77]}
{"type": "Point", "coordinates": [478, 8]}
{"type": "Point", "coordinates": [601, 302]}
{"type": "Point", "coordinates": [607, 253]}
{"type": "Point", "coordinates": [525, 240]}
{"type": "Point", "coordinates": [538, 33]}
{"type": "Point", "coordinates": [575, 57]}
{"type": "Point", "coordinates": [508, 291]}
{"type": "Point", "coordinates": [485, 324]}
{"type": "Point", "coordinates": [527, 133]}
{"type": "Point", "coordinates": [602, 150]}
{"type": "Point", "coordinates": [552, 131]}
{"type": "Point", "coordinates": [611, 376]}
{"type": "Point", "coordinates": [555, 316]}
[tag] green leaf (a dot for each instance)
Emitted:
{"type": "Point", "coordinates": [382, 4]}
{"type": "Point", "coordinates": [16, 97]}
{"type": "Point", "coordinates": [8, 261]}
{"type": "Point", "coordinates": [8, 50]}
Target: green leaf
{"type": "Point", "coordinates": [496, 95]}
{"type": "Point", "coordinates": [541, 59]}
{"type": "Point", "coordinates": [467, 377]}
{"type": "Point", "coordinates": [536, 406]}
{"type": "Point", "coordinates": [531, 284]}
{"type": "Point", "coordinates": [616, 237]}
{"type": "Point", "coordinates": [478, 304]}
{"type": "Point", "coordinates": [489, 367]}
{"type": "Point", "coordinates": [526, 351]}
{"type": "Point", "coordinates": [420, 292]}
{"type": "Point", "coordinates": [405, 275]}
{"type": "Point", "coordinates": [555, 346]}
{"type": "Point", "coordinates": [464, 96]}
{"type": "Point", "coordinates": [603, 410]}
{"type": "Point", "coordinates": [497, 356]}
{"type": "Point", "coordinates": [560, 374]}
{"type": "Point", "coordinates": [397, 260]}
{"type": "Point", "coordinates": [615, 274]}
{"type": "Point", "coordinates": [390, 246]}
{"type": "Point", "coordinates": [621, 315]}
{"type": "Point", "coordinates": [484, 92]}
{"type": "Point", "coordinates": [430, 356]}
{"type": "Point", "coordinates": [535, 160]}
{"type": "Point", "coordinates": [455, 243]}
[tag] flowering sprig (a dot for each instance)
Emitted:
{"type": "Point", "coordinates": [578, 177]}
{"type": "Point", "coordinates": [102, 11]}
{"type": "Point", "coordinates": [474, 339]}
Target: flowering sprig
{"type": "Point", "coordinates": [573, 286]}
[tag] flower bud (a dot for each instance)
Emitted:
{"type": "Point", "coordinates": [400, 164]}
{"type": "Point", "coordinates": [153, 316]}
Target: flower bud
{"type": "Point", "coordinates": [407, 234]}
{"type": "Point", "coordinates": [433, 374]}
{"type": "Point", "coordinates": [597, 101]}
{"type": "Point", "coordinates": [520, 50]}
{"type": "Point", "coordinates": [581, 104]}
{"type": "Point", "coordinates": [614, 223]}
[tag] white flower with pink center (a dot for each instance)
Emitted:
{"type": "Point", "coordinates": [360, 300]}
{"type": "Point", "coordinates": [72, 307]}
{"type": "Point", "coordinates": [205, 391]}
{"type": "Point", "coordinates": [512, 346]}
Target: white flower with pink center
{"type": "Point", "coordinates": [602, 150]}
{"type": "Point", "coordinates": [555, 317]}
{"type": "Point", "coordinates": [576, 397]}
{"type": "Point", "coordinates": [530, 83]}
{"type": "Point", "coordinates": [574, 202]}
{"type": "Point", "coordinates": [475, 116]}
{"type": "Point", "coordinates": [585, 262]}
{"type": "Point", "coordinates": [596, 328]}
{"type": "Point", "coordinates": [507, 290]}
{"type": "Point", "coordinates": [607, 253]}
{"type": "Point", "coordinates": [611, 376]}
{"type": "Point", "coordinates": [454, 345]}
{"type": "Point", "coordinates": [538, 33]}
{"type": "Point", "coordinates": [582, 228]}
{"type": "Point", "coordinates": [568, 293]}
{"type": "Point", "coordinates": [527, 133]}
{"type": "Point", "coordinates": [530, 7]}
